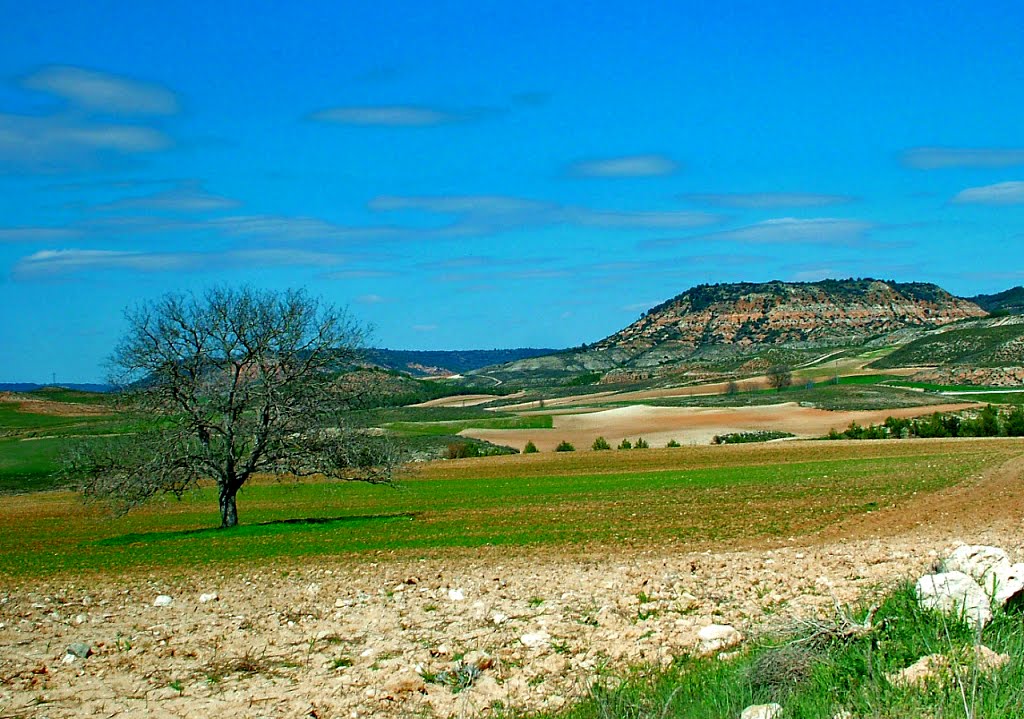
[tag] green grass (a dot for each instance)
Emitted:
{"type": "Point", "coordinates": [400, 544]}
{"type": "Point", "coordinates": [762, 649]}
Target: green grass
{"type": "Point", "coordinates": [974, 346]}
{"type": "Point", "coordinates": [454, 427]}
{"type": "Point", "coordinates": [503, 503]}
{"type": "Point", "coordinates": [29, 465]}
{"type": "Point", "coordinates": [817, 678]}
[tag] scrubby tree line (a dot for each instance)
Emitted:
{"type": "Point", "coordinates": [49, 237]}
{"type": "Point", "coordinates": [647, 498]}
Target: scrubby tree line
{"type": "Point", "coordinates": [989, 422]}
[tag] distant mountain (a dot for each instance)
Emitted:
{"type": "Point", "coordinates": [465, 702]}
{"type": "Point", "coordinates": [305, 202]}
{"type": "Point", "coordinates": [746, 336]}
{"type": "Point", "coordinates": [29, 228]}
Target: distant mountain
{"type": "Point", "coordinates": [32, 387]}
{"type": "Point", "coordinates": [1010, 302]}
{"type": "Point", "coordinates": [713, 321]}
{"type": "Point", "coordinates": [439, 363]}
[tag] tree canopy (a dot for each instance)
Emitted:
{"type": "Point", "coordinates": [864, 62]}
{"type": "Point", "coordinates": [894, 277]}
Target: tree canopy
{"type": "Point", "coordinates": [228, 384]}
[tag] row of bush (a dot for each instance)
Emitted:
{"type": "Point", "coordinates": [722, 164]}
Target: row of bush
{"type": "Point", "coordinates": [599, 444]}
{"type": "Point", "coordinates": [745, 437]}
{"type": "Point", "coordinates": [989, 422]}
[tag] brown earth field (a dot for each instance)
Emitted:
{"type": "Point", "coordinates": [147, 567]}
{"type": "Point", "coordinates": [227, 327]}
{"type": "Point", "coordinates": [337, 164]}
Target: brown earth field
{"type": "Point", "coordinates": [693, 425]}
{"type": "Point", "coordinates": [354, 636]}
{"type": "Point", "coordinates": [60, 409]}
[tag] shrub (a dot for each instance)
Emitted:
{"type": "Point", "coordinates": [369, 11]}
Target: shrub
{"type": "Point", "coordinates": [641, 443]}
{"type": "Point", "coordinates": [600, 443]}
{"type": "Point", "coordinates": [672, 443]}
{"type": "Point", "coordinates": [461, 450]}
{"type": "Point", "coordinates": [530, 448]}
{"type": "Point", "coordinates": [625, 444]}
{"type": "Point", "coordinates": [564, 446]}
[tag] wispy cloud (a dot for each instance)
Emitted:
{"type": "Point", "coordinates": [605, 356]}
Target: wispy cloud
{"type": "Point", "coordinates": [397, 115]}
{"type": "Point", "coordinates": [625, 166]}
{"type": "Point", "coordinates": [102, 92]}
{"type": "Point", "coordinates": [488, 214]}
{"type": "Point", "coordinates": [36, 234]}
{"type": "Point", "coordinates": [936, 158]}
{"type": "Point", "coordinates": [287, 228]}
{"type": "Point", "coordinates": [822, 230]}
{"type": "Point", "coordinates": [62, 263]}
{"type": "Point", "coordinates": [766, 200]}
{"type": "Point", "coordinates": [371, 299]}
{"type": "Point", "coordinates": [1001, 193]}
{"type": "Point", "coordinates": [189, 197]}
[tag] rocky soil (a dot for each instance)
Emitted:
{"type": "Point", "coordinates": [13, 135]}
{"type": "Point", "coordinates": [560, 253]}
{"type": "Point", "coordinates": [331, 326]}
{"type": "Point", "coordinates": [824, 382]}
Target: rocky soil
{"type": "Point", "coordinates": [447, 636]}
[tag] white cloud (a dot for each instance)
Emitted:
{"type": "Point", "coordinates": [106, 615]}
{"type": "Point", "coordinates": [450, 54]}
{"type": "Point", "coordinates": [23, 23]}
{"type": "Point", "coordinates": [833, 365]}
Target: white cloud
{"type": "Point", "coordinates": [652, 220]}
{"type": "Point", "coordinates": [186, 198]}
{"type": "Point", "coordinates": [460, 204]}
{"type": "Point", "coordinates": [1002, 193]}
{"type": "Point", "coordinates": [35, 234]}
{"type": "Point", "coordinates": [785, 230]}
{"type": "Point", "coordinates": [282, 227]}
{"type": "Point", "coordinates": [935, 158]}
{"type": "Point", "coordinates": [60, 263]}
{"type": "Point", "coordinates": [489, 214]}
{"type": "Point", "coordinates": [387, 116]}
{"type": "Point", "coordinates": [52, 144]}
{"type": "Point", "coordinates": [101, 92]}
{"type": "Point", "coordinates": [626, 166]}
{"type": "Point", "coordinates": [371, 299]}
{"type": "Point", "coordinates": [766, 200]}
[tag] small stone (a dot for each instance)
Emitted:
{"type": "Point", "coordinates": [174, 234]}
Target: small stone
{"type": "Point", "coordinates": [80, 650]}
{"type": "Point", "coordinates": [210, 597]}
{"type": "Point", "coordinates": [717, 637]}
{"type": "Point", "coordinates": [163, 600]}
{"type": "Point", "coordinates": [69, 659]}
{"type": "Point", "coordinates": [498, 618]}
{"type": "Point", "coordinates": [535, 639]}
{"type": "Point", "coordinates": [405, 682]}
{"type": "Point", "coordinates": [762, 711]}
{"type": "Point", "coordinates": [456, 595]}
{"type": "Point", "coordinates": [81, 619]}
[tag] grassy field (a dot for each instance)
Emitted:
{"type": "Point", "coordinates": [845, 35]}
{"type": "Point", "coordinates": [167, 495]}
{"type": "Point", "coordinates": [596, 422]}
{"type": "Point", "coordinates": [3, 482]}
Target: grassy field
{"type": "Point", "coordinates": [690, 497]}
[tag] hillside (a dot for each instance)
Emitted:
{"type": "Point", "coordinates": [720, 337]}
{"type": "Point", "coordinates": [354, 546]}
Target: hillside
{"type": "Point", "coordinates": [711, 328]}
{"type": "Point", "coordinates": [434, 363]}
{"type": "Point", "coordinates": [1010, 302]}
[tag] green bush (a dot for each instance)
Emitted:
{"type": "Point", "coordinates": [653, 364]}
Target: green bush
{"type": "Point", "coordinates": [625, 444]}
{"type": "Point", "coordinates": [672, 443]}
{"type": "Point", "coordinates": [530, 448]}
{"type": "Point", "coordinates": [641, 443]}
{"type": "Point", "coordinates": [600, 443]}
{"type": "Point", "coordinates": [564, 446]}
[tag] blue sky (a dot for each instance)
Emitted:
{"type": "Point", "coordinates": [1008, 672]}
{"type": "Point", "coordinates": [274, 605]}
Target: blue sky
{"type": "Point", "coordinates": [484, 174]}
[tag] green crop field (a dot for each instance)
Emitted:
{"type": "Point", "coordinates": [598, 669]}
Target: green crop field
{"type": "Point", "coordinates": [668, 497]}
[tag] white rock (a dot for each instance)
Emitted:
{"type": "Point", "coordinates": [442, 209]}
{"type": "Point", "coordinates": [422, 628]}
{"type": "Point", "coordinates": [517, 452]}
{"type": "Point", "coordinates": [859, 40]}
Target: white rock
{"type": "Point", "coordinates": [762, 711]}
{"type": "Point", "coordinates": [716, 637]}
{"type": "Point", "coordinates": [163, 600]}
{"type": "Point", "coordinates": [955, 593]}
{"type": "Point", "coordinates": [456, 595]}
{"type": "Point", "coordinates": [211, 597]}
{"type": "Point", "coordinates": [69, 659]}
{"type": "Point", "coordinates": [535, 639]}
{"type": "Point", "coordinates": [1005, 583]}
{"type": "Point", "coordinates": [976, 561]}
{"type": "Point", "coordinates": [498, 618]}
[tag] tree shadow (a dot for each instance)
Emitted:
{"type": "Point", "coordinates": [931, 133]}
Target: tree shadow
{"type": "Point", "coordinates": [275, 526]}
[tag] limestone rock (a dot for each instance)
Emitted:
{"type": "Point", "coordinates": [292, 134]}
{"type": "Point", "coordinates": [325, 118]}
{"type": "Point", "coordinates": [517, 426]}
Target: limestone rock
{"type": "Point", "coordinates": [163, 600]}
{"type": "Point", "coordinates": [717, 637]}
{"type": "Point", "coordinates": [456, 595]}
{"type": "Point", "coordinates": [762, 711]}
{"type": "Point", "coordinates": [210, 597]}
{"type": "Point", "coordinates": [976, 561]}
{"type": "Point", "coordinates": [957, 594]}
{"type": "Point", "coordinates": [405, 682]}
{"type": "Point", "coordinates": [535, 639]}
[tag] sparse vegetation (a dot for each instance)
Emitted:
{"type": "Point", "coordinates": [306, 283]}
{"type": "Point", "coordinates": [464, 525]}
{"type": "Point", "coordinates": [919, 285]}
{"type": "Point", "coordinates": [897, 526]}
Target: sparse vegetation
{"type": "Point", "coordinates": [564, 446]}
{"type": "Point", "coordinates": [530, 447]}
{"type": "Point", "coordinates": [988, 422]}
{"type": "Point", "coordinates": [600, 444]}
{"type": "Point", "coordinates": [747, 437]}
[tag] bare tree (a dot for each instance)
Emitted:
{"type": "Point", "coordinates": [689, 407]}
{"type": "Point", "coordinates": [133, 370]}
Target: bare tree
{"type": "Point", "coordinates": [779, 377]}
{"type": "Point", "coordinates": [229, 384]}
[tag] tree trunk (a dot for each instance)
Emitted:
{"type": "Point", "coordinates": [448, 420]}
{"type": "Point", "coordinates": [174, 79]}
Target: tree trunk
{"type": "Point", "coordinates": [228, 510]}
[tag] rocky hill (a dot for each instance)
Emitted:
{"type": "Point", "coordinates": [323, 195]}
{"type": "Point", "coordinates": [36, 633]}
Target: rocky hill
{"type": "Point", "coordinates": [1010, 302]}
{"type": "Point", "coordinates": [710, 322]}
